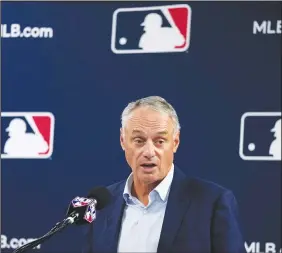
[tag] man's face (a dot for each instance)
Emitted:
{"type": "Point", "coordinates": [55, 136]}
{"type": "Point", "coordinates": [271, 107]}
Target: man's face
{"type": "Point", "coordinates": [149, 144]}
{"type": "Point", "coordinates": [277, 134]}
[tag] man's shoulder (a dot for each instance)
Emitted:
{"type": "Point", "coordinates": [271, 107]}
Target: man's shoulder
{"type": "Point", "coordinates": [116, 187]}
{"type": "Point", "coordinates": [206, 184]}
{"type": "Point", "coordinates": [198, 184]}
{"type": "Point", "coordinates": [205, 188]}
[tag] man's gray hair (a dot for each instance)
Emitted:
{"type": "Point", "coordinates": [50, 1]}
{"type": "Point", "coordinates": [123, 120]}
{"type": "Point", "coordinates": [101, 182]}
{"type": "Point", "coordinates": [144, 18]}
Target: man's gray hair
{"type": "Point", "coordinates": [154, 102]}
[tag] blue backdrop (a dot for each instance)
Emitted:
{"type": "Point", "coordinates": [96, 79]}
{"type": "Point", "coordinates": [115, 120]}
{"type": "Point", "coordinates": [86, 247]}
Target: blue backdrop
{"type": "Point", "coordinates": [232, 66]}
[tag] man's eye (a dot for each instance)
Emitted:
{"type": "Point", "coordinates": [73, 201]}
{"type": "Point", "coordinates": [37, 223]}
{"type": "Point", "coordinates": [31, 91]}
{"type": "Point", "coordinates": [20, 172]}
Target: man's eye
{"type": "Point", "coordinates": [138, 141]}
{"type": "Point", "coordinates": [160, 141]}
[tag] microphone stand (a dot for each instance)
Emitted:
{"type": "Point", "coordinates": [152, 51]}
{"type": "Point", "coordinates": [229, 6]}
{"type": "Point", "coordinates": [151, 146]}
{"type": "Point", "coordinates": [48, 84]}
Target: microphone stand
{"type": "Point", "coordinates": [58, 227]}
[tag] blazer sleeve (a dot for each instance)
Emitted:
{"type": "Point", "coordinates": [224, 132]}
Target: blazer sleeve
{"type": "Point", "coordinates": [225, 229]}
{"type": "Point", "coordinates": [87, 239]}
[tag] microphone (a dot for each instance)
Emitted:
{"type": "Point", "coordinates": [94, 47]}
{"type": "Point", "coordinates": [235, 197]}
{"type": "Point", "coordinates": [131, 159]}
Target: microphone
{"type": "Point", "coordinates": [81, 211]}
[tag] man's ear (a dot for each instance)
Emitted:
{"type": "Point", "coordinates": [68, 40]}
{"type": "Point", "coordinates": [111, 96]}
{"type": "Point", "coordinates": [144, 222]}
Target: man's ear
{"type": "Point", "coordinates": [121, 139]}
{"type": "Point", "coordinates": [176, 142]}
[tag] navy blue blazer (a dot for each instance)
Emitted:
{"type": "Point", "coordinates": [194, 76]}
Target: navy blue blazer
{"type": "Point", "coordinates": [201, 217]}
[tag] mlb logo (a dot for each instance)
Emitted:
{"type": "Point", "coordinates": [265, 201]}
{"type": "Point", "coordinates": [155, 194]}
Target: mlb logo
{"type": "Point", "coordinates": [158, 29]}
{"type": "Point", "coordinates": [260, 136]}
{"type": "Point", "coordinates": [27, 135]}
{"type": "Point", "coordinates": [80, 201]}
{"type": "Point", "coordinates": [90, 214]}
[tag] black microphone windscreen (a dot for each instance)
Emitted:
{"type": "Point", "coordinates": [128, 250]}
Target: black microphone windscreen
{"type": "Point", "coordinates": [102, 195]}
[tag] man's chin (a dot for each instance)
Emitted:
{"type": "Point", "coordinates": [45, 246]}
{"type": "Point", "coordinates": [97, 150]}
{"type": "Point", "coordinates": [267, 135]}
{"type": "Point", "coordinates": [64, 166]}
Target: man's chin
{"type": "Point", "coordinates": [148, 178]}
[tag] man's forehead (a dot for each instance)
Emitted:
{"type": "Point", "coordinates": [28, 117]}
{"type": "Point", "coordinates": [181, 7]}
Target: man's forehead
{"type": "Point", "coordinates": [147, 116]}
{"type": "Point", "coordinates": [146, 120]}
{"type": "Point", "coordinates": [143, 126]}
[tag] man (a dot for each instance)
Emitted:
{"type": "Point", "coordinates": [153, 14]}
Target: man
{"type": "Point", "coordinates": [157, 208]}
{"type": "Point", "coordinates": [23, 144]}
{"type": "Point", "coordinates": [158, 38]}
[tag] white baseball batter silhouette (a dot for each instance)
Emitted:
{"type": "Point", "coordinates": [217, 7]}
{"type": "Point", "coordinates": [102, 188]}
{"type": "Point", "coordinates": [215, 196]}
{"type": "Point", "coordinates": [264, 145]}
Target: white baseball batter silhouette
{"type": "Point", "coordinates": [21, 143]}
{"type": "Point", "coordinates": [275, 147]}
{"type": "Point", "coordinates": [158, 38]}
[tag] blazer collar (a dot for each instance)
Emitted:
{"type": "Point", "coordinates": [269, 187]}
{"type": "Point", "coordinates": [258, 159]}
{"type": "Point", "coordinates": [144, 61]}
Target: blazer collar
{"type": "Point", "coordinates": [177, 206]}
{"type": "Point", "coordinates": [178, 202]}
{"type": "Point", "coordinates": [162, 189]}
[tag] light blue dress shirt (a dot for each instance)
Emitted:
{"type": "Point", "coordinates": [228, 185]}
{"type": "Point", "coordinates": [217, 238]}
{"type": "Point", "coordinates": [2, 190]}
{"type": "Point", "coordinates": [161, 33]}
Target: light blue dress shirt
{"type": "Point", "coordinates": [141, 225]}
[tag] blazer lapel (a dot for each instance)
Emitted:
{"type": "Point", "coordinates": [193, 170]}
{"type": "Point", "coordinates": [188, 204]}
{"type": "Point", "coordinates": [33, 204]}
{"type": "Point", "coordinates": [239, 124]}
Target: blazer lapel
{"type": "Point", "coordinates": [177, 205]}
{"type": "Point", "coordinates": [113, 221]}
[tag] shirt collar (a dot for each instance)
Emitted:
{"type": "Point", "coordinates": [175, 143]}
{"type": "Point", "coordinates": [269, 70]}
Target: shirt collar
{"type": "Point", "coordinates": [162, 189]}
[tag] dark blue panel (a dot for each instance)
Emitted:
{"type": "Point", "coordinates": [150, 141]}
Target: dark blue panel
{"type": "Point", "coordinates": [226, 72]}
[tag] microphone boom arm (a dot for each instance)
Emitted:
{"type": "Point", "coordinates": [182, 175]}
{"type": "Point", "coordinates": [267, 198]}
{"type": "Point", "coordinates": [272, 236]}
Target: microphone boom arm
{"type": "Point", "coordinates": [81, 211]}
{"type": "Point", "coordinates": [58, 227]}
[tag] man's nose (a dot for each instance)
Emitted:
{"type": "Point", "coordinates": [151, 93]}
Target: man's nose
{"type": "Point", "coordinates": [149, 150]}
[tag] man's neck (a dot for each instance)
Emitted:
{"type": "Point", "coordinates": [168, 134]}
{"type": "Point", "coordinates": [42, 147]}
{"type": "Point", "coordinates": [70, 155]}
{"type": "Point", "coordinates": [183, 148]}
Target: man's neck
{"type": "Point", "coordinates": [141, 190]}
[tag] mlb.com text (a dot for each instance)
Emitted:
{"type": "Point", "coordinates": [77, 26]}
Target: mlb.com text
{"type": "Point", "coordinates": [262, 247]}
{"type": "Point", "coordinates": [14, 243]}
{"type": "Point", "coordinates": [17, 31]}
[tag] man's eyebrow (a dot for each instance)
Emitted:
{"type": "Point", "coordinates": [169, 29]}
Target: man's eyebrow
{"type": "Point", "coordinates": [158, 133]}
{"type": "Point", "coordinates": [162, 133]}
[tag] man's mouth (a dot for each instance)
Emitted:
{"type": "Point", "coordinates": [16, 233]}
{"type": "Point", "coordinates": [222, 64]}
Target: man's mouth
{"type": "Point", "coordinates": [148, 165]}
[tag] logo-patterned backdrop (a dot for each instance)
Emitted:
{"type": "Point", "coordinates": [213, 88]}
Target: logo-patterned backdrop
{"type": "Point", "coordinates": [69, 69]}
